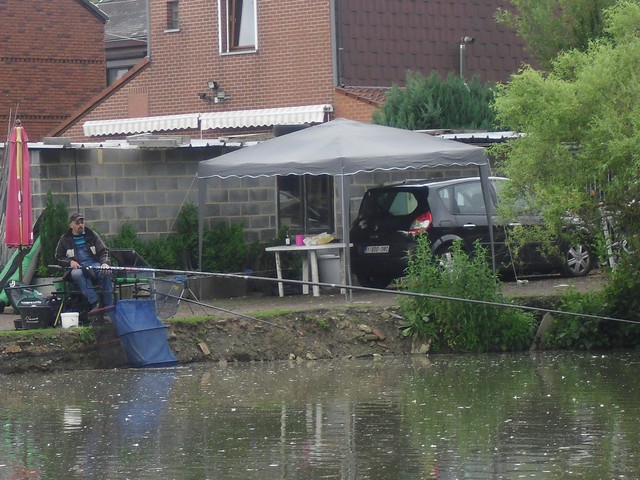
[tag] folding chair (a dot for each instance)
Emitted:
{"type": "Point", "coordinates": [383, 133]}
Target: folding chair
{"type": "Point", "coordinates": [138, 281]}
{"type": "Point", "coordinates": [168, 293]}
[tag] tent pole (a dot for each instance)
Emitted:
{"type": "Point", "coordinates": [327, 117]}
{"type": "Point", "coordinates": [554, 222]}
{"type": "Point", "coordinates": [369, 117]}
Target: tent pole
{"type": "Point", "coordinates": [488, 205]}
{"type": "Point", "coordinates": [345, 195]}
{"type": "Point", "coordinates": [202, 192]}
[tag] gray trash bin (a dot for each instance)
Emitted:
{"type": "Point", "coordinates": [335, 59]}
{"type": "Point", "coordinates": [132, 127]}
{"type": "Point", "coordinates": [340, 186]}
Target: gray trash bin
{"type": "Point", "coordinates": [329, 268]}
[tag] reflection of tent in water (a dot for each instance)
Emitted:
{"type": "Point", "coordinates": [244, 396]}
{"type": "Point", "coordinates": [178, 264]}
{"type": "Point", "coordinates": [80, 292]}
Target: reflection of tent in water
{"type": "Point", "coordinates": [144, 401]}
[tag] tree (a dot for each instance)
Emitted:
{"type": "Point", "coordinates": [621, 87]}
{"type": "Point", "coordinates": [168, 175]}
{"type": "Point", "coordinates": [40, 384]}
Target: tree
{"type": "Point", "coordinates": [553, 26]}
{"type": "Point", "coordinates": [430, 102]}
{"type": "Point", "coordinates": [580, 152]}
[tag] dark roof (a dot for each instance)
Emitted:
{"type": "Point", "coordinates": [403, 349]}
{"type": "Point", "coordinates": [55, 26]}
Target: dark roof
{"type": "Point", "coordinates": [127, 19]}
{"type": "Point", "coordinates": [373, 95]}
{"type": "Point", "coordinates": [380, 40]}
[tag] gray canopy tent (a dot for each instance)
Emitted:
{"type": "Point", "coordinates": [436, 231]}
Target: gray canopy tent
{"type": "Point", "coordinates": [342, 148]}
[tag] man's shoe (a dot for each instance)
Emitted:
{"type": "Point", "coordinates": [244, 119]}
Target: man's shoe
{"type": "Point", "coordinates": [94, 306]}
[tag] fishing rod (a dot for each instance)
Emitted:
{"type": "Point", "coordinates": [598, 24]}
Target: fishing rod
{"type": "Point", "coordinates": [202, 304]}
{"type": "Point", "coordinates": [187, 300]}
{"type": "Point", "coordinates": [368, 289]}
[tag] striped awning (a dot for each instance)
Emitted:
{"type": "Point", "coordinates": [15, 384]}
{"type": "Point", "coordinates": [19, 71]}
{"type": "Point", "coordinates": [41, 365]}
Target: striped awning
{"type": "Point", "coordinates": [208, 121]}
{"type": "Point", "coordinates": [265, 117]}
{"type": "Point", "coordinates": [128, 126]}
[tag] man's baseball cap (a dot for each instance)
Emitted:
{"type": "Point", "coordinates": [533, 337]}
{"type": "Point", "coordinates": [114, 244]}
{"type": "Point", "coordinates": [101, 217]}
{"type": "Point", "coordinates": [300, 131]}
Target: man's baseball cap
{"type": "Point", "coordinates": [75, 217]}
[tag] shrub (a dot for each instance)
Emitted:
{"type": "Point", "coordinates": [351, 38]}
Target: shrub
{"type": "Point", "coordinates": [187, 229]}
{"type": "Point", "coordinates": [127, 238]}
{"type": "Point", "coordinates": [162, 252]}
{"type": "Point", "coordinates": [619, 299]}
{"type": "Point", "coordinates": [454, 324]}
{"type": "Point", "coordinates": [52, 224]}
{"type": "Point", "coordinates": [433, 102]}
{"type": "Point", "coordinates": [225, 249]}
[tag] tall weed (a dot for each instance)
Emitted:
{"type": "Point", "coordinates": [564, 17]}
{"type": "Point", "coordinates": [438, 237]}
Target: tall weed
{"type": "Point", "coordinates": [458, 325]}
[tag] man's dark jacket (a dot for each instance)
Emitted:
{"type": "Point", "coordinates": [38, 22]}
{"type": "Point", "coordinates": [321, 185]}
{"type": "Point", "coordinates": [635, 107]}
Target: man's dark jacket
{"type": "Point", "coordinates": [65, 251]}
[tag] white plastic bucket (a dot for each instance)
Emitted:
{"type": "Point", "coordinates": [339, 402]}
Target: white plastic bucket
{"type": "Point", "coordinates": [69, 319]}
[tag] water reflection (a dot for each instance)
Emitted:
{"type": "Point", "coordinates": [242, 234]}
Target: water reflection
{"type": "Point", "coordinates": [473, 416]}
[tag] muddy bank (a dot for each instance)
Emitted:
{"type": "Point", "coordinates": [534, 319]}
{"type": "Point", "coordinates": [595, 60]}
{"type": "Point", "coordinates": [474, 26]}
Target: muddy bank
{"type": "Point", "coordinates": [335, 332]}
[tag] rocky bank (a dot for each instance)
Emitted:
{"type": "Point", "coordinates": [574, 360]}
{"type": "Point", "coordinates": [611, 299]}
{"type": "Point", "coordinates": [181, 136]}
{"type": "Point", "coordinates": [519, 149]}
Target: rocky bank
{"type": "Point", "coordinates": [314, 332]}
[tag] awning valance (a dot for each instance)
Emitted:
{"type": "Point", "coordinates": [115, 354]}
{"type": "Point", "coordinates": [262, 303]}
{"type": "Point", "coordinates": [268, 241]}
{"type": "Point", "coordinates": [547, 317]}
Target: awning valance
{"type": "Point", "coordinates": [265, 117]}
{"type": "Point", "coordinates": [129, 126]}
{"type": "Point", "coordinates": [210, 120]}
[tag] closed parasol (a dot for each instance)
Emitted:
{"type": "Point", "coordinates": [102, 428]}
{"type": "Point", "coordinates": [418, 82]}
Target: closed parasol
{"type": "Point", "coordinates": [19, 213]}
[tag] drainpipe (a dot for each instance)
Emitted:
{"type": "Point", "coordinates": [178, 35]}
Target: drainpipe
{"type": "Point", "coordinates": [148, 29]}
{"type": "Point", "coordinates": [464, 41]}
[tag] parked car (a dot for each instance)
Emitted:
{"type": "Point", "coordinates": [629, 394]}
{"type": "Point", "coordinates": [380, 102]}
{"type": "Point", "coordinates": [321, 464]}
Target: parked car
{"type": "Point", "coordinates": [391, 216]}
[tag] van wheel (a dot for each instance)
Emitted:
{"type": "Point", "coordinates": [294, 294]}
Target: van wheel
{"type": "Point", "coordinates": [374, 281]}
{"type": "Point", "coordinates": [444, 257]}
{"type": "Point", "coordinates": [578, 261]}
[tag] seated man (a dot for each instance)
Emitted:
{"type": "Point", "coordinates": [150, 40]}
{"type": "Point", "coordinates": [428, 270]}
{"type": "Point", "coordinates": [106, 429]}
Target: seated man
{"type": "Point", "coordinates": [83, 251]}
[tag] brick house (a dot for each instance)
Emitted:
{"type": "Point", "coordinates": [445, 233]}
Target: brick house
{"type": "Point", "coordinates": [301, 58]}
{"type": "Point", "coordinates": [220, 70]}
{"type": "Point", "coordinates": [51, 60]}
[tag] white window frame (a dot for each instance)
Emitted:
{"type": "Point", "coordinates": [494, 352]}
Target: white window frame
{"type": "Point", "coordinates": [173, 21]}
{"type": "Point", "coordinates": [224, 40]}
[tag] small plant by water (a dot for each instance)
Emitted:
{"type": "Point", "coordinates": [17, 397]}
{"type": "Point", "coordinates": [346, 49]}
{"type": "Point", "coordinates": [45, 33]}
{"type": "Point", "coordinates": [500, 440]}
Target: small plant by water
{"type": "Point", "coordinates": [619, 299]}
{"type": "Point", "coordinates": [323, 324]}
{"type": "Point", "coordinates": [458, 325]}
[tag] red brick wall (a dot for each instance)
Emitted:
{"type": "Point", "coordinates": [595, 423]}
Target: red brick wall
{"type": "Point", "coordinates": [347, 106]}
{"type": "Point", "coordinates": [52, 60]}
{"type": "Point", "coordinates": [292, 66]}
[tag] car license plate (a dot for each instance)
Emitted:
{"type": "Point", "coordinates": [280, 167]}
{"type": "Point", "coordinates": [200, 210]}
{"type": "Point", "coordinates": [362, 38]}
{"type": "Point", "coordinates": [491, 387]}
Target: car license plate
{"type": "Point", "coordinates": [377, 249]}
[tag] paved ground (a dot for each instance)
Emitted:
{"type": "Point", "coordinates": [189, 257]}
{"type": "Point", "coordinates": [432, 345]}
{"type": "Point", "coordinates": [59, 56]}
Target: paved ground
{"type": "Point", "coordinates": [532, 286]}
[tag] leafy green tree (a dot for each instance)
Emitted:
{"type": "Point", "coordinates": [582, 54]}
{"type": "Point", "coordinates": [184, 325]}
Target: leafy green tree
{"type": "Point", "coordinates": [553, 26]}
{"type": "Point", "coordinates": [430, 102]}
{"type": "Point", "coordinates": [580, 152]}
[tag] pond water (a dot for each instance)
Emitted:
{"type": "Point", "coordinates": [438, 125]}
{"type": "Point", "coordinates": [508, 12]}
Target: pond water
{"type": "Point", "coordinates": [541, 415]}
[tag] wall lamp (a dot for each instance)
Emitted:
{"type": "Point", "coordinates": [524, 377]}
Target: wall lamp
{"type": "Point", "coordinates": [215, 96]}
{"type": "Point", "coordinates": [464, 41]}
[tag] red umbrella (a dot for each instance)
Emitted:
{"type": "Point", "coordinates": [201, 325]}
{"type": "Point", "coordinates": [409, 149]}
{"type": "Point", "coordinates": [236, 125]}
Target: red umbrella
{"type": "Point", "coordinates": [19, 215]}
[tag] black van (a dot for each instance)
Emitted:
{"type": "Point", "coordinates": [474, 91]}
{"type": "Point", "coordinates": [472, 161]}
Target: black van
{"type": "Point", "coordinates": [391, 216]}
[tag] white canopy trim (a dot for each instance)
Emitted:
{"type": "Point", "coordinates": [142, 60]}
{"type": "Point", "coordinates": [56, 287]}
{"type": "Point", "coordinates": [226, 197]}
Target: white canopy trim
{"type": "Point", "coordinates": [140, 125]}
{"type": "Point", "coordinates": [265, 117]}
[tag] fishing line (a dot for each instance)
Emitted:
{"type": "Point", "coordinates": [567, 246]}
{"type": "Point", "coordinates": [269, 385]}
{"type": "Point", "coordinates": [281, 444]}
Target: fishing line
{"type": "Point", "coordinates": [374, 290]}
{"type": "Point", "coordinates": [202, 304]}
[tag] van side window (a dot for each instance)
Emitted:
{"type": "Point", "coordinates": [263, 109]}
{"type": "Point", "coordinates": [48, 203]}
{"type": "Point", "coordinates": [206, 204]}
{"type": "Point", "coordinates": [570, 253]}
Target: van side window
{"type": "Point", "coordinates": [469, 198]}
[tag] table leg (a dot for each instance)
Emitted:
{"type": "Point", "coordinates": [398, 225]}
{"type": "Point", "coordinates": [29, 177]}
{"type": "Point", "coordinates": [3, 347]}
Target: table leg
{"type": "Point", "coordinates": [305, 274]}
{"type": "Point", "coordinates": [279, 274]}
{"type": "Point", "coordinates": [313, 258]}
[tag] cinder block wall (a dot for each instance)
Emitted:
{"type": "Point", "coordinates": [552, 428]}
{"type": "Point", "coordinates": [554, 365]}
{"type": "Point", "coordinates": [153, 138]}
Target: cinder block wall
{"type": "Point", "coordinates": [147, 188]}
